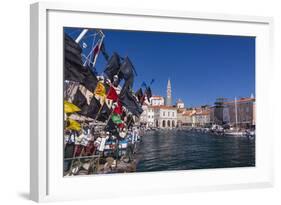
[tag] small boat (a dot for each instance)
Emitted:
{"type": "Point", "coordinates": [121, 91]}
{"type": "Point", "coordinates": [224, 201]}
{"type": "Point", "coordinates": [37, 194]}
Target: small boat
{"type": "Point", "coordinates": [251, 134]}
{"type": "Point", "coordinates": [235, 133]}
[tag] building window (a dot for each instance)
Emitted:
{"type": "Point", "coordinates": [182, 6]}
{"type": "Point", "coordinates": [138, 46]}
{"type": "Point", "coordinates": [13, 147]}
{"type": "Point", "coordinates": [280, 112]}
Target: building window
{"type": "Point", "coordinates": [168, 114]}
{"type": "Point", "coordinates": [164, 113]}
{"type": "Point", "coordinates": [173, 114]}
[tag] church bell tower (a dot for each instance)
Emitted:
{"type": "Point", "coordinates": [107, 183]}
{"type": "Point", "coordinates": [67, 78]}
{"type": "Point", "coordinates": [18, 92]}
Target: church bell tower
{"type": "Point", "coordinates": [169, 94]}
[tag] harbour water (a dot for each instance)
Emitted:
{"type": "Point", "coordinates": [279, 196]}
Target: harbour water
{"type": "Point", "coordinates": [185, 150]}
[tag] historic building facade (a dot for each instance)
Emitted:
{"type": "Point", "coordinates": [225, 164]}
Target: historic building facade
{"type": "Point", "coordinates": [240, 112]}
{"type": "Point", "coordinates": [160, 112]}
{"type": "Point", "coordinates": [150, 116]}
{"type": "Point", "coordinates": [201, 118]}
{"type": "Point", "coordinates": [196, 117]}
{"type": "Point", "coordinates": [180, 104]}
{"type": "Point", "coordinates": [144, 115]}
{"type": "Point", "coordinates": [185, 117]}
{"type": "Point", "coordinates": [157, 100]}
{"type": "Point", "coordinates": [165, 116]}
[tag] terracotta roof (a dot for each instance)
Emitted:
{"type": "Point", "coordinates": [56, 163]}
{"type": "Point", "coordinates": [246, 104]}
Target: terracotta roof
{"type": "Point", "coordinates": [188, 113]}
{"type": "Point", "coordinates": [181, 110]}
{"type": "Point", "coordinates": [203, 112]}
{"type": "Point", "coordinates": [163, 107]}
{"type": "Point", "coordinates": [241, 100]}
{"type": "Point", "coordinates": [157, 97]}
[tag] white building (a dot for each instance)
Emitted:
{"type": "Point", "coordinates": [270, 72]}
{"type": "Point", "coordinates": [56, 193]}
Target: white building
{"type": "Point", "coordinates": [147, 116]}
{"type": "Point", "coordinates": [180, 104]}
{"type": "Point", "coordinates": [150, 116]}
{"type": "Point", "coordinates": [184, 117]}
{"type": "Point", "coordinates": [165, 116]}
{"type": "Point", "coordinates": [201, 118]}
{"type": "Point", "coordinates": [143, 116]}
{"type": "Point", "coordinates": [156, 100]}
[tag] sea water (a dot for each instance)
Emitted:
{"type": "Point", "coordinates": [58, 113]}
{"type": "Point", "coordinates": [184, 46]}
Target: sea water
{"type": "Point", "coordinates": [185, 150]}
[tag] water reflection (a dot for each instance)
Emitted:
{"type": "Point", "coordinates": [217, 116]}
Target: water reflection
{"type": "Point", "coordinates": [182, 150]}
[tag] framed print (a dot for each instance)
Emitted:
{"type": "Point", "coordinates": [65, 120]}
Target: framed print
{"type": "Point", "coordinates": [157, 101]}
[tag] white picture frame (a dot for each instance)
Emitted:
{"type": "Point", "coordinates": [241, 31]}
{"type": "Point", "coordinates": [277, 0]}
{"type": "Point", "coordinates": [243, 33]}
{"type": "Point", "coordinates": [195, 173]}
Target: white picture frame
{"type": "Point", "coordinates": [46, 180]}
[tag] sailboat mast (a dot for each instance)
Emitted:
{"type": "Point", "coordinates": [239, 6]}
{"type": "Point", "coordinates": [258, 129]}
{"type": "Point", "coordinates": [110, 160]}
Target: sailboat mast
{"type": "Point", "coordinates": [99, 46]}
{"type": "Point", "coordinates": [236, 118]}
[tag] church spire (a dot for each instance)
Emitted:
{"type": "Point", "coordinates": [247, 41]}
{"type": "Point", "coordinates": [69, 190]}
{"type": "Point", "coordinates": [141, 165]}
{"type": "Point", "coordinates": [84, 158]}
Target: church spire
{"type": "Point", "coordinates": [169, 94]}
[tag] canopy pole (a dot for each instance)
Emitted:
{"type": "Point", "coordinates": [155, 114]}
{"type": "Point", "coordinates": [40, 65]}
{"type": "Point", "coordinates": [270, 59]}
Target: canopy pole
{"type": "Point", "coordinates": [81, 35]}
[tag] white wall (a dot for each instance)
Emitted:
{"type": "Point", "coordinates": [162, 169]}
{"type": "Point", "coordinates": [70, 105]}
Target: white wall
{"type": "Point", "coordinates": [14, 150]}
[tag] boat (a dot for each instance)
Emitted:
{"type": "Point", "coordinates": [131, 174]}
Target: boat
{"type": "Point", "coordinates": [235, 133]}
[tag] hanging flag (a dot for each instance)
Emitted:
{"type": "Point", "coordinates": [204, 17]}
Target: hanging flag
{"type": "Point", "coordinates": [72, 60]}
{"type": "Point", "coordinates": [90, 80]}
{"type": "Point", "coordinates": [116, 119]}
{"type": "Point", "coordinates": [96, 50]}
{"type": "Point", "coordinates": [70, 108]}
{"type": "Point", "coordinates": [127, 85]}
{"type": "Point", "coordinates": [107, 86]}
{"type": "Point", "coordinates": [104, 53]}
{"type": "Point", "coordinates": [87, 93]}
{"type": "Point", "coordinates": [131, 103]}
{"type": "Point", "coordinates": [91, 110]}
{"type": "Point", "coordinates": [148, 93]}
{"type": "Point", "coordinates": [70, 88]}
{"type": "Point", "coordinates": [100, 92]}
{"type": "Point", "coordinates": [123, 115]}
{"type": "Point", "coordinates": [73, 125]}
{"type": "Point", "coordinates": [113, 66]}
{"type": "Point", "coordinates": [118, 109]}
{"type": "Point", "coordinates": [100, 89]}
{"type": "Point", "coordinates": [143, 84]}
{"type": "Point", "coordinates": [127, 70]}
{"type": "Point", "coordinates": [121, 125]}
{"type": "Point", "coordinates": [111, 97]}
{"type": "Point", "coordinates": [104, 113]}
{"type": "Point", "coordinates": [140, 96]}
{"type": "Point", "coordinates": [111, 94]}
{"type": "Point", "coordinates": [130, 121]}
{"type": "Point", "coordinates": [79, 99]}
{"type": "Point", "coordinates": [111, 127]}
{"type": "Point", "coordinates": [127, 73]}
{"type": "Point", "coordinates": [73, 65]}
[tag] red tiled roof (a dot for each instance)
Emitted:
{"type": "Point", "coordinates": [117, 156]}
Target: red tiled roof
{"type": "Point", "coordinates": [241, 100]}
{"type": "Point", "coordinates": [204, 112]}
{"type": "Point", "coordinates": [163, 107]}
{"type": "Point", "coordinates": [181, 110]}
{"type": "Point", "coordinates": [188, 113]}
{"type": "Point", "coordinates": [156, 97]}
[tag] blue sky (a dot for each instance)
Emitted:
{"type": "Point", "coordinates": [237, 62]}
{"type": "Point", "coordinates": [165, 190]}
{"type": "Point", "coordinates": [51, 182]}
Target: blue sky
{"type": "Point", "coordinates": [200, 67]}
